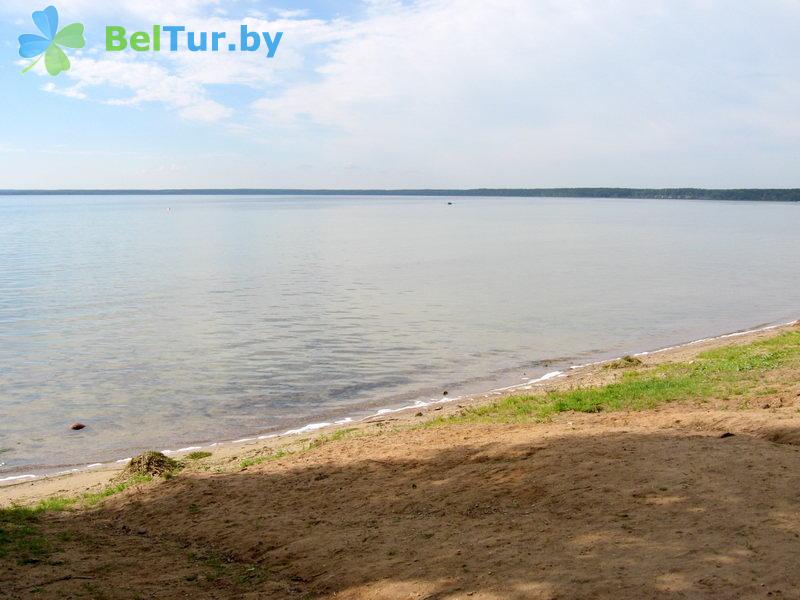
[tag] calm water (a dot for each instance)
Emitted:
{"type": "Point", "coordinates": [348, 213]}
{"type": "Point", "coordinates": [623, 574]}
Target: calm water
{"type": "Point", "coordinates": [167, 321]}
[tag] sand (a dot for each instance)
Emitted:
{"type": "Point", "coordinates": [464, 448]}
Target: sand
{"type": "Point", "coordinates": [656, 504]}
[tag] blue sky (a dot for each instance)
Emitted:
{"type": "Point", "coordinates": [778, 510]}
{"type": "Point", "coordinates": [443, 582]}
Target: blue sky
{"type": "Point", "coordinates": [414, 93]}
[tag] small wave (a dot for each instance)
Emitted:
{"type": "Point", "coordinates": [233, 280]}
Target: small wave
{"type": "Point", "coordinates": [18, 477]}
{"type": "Point", "coordinates": [530, 383]}
{"type": "Point", "coordinates": [305, 428]}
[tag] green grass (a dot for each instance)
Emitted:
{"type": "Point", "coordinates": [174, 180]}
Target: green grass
{"type": "Point", "coordinates": [90, 499]}
{"type": "Point", "coordinates": [197, 455]}
{"type": "Point", "coordinates": [20, 533]}
{"type": "Point", "coordinates": [317, 442]}
{"type": "Point", "coordinates": [334, 436]}
{"type": "Point", "coordinates": [257, 460]}
{"type": "Point", "coordinates": [730, 372]}
{"type": "Point", "coordinates": [20, 526]}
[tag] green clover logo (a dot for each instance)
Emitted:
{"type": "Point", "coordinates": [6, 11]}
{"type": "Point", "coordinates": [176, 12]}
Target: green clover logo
{"type": "Point", "coordinates": [31, 45]}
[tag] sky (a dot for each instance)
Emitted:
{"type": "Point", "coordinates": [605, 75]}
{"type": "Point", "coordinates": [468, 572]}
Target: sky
{"type": "Point", "coordinates": [413, 93]}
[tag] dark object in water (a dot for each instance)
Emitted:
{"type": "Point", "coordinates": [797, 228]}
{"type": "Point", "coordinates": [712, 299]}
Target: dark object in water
{"type": "Point", "coordinates": [77, 426]}
{"type": "Point", "coordinates": [444, 393]}
{"type": "Point", "coordinates": [449, 204]}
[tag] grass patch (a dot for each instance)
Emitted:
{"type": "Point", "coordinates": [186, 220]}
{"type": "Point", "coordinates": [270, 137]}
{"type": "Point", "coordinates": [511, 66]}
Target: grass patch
{"type": "Point", "coordinates": [730, 372]}
{"type": "Point", "coordinates": [197, 455]}
{"type": "Point", "coordinates": [257, 460]}
{"type": "Point", "coordinates": [20, 535]}
{"type": "Point", "coordinates": [93, 498]}
{"type": "Point", "coordinates": [20, 526]}
{"type": "Point", "coordinates": [334, 436]}
{"type": "Point", "coordinates": [317, 442]}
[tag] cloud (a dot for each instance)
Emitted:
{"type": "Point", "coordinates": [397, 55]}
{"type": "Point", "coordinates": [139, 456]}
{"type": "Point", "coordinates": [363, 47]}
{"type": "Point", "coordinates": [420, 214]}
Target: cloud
{"type": "Point", "coordinates": [527, 93]}
{"type": "Point", "coordinates": [465, 92]}
{"type": "Point", "coordinates": [69, 92]}
{"type": "Point", "coordinates": [182, 80]}
{"type": "Point", "coordinates": [145, 82]}
{"type": "Point", "coordinates": [145, 10]}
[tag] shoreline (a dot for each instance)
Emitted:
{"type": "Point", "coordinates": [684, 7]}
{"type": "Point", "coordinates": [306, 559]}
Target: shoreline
{"type": "Point", "coordinates": [78, 478]}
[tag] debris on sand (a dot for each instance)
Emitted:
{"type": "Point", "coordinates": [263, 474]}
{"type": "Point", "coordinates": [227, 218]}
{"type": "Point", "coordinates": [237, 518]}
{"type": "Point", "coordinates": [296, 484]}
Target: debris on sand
{"type": "Point", "coordinates": [150, 463]}
{"type": "Point", "coordinates": [624, 363]}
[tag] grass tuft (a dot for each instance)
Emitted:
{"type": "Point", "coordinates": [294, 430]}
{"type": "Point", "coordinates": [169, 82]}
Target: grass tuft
{"type": "Point", "coordinates": [152, 464]}
{"type": "Point", "coordinates": [92, 498]}
{"type": "Point", "coordinates": [334, 436]}
{"type": "Point", "coordinates": [198, 455]}
{"type": "Point", "coordinates": [257, 460]}
{"type": "Point", "coordinates": [625, 362]}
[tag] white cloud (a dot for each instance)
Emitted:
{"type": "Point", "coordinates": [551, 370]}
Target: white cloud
{"type": "Point", "coordinates": [206, 110]}
{"type": "Point", "coordinates": [145, 82]}
{"type": "Point", "coordinates": [69, 92]}
{"type": "Point", "coordinates": [146, 10]}
{"type": "Point", "coordinates": [516, 92]}
{"type": "Point", "coordinates": [466, 92]}
{"type": "Point", "coordinates": [180, 80]}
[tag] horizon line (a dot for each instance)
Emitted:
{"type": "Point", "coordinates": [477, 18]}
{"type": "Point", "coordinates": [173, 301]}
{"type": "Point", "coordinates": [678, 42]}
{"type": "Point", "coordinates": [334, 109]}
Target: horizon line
{"type": "Point", "coordinates": [678, 193]}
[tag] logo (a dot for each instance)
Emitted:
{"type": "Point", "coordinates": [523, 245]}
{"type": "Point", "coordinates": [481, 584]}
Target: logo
{"type": "Point", "coordinates": [50, 42]}
{"type": "Point", "coordinates": [178, 38]}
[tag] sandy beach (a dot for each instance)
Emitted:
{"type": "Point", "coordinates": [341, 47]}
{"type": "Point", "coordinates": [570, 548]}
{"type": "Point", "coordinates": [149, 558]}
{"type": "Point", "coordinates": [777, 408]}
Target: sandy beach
{"type": "Point", "coordinates": [694, 496]}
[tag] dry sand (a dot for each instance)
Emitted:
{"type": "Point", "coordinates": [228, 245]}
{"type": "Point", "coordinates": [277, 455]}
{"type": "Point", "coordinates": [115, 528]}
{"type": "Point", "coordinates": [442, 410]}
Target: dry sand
{"type": "Point", "coordinates": [621, 505]}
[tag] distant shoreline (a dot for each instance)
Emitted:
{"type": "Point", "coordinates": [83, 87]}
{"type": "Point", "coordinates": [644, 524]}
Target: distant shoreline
{"type": "Point", "coordinates": [754, 194]}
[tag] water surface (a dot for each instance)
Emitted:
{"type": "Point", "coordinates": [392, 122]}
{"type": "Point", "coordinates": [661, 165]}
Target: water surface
{"type": "Point", "coordinates": [168, 321]}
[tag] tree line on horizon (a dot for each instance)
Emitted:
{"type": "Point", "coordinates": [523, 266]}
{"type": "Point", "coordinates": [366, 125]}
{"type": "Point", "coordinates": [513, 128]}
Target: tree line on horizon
{"type": "Point", "coordinates": [752, 194]}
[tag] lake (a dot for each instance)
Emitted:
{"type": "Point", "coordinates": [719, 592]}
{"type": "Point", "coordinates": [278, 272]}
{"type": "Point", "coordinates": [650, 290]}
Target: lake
{"type": "Point", "coordinates": [168, 321]}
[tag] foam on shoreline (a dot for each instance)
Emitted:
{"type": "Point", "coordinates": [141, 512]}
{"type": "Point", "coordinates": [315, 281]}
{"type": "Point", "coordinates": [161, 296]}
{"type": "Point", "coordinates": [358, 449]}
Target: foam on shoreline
{"type": "Point", "coordinates": [384, 411]}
